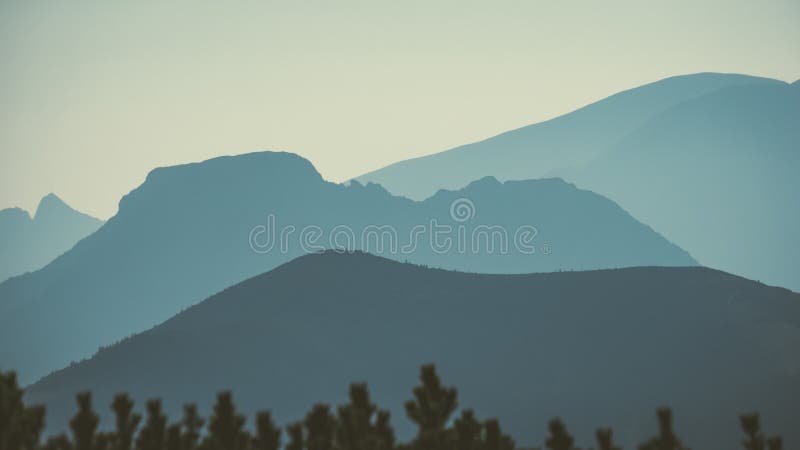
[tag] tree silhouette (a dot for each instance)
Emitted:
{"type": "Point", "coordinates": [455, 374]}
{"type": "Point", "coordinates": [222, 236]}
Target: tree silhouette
{"type": "Point", "coordinates": [605, 439]}
{"type": "Point", "coordinates": [754, 439]}
{"type": "Point", "coordinates": [468, 431]}
{"type": "Point", "coordinates": [268, 436]}
{"type": "Point", "coordinates": [559, 438]}
{"type": "Point", "coordinates": [360, 425]}
{"type": "Point", "coordinates": [20, 426]}
{"type": "Point", "coordinates": [126, 420]}
{"type": "Point", "coordinates": [320, 426]}
{"type": "Point", "coordinates": [84, 423]}
{"type": "Point", "coordinates": [296, 440]}
{"type": "Point", "coordinates": [58, 442]}
{"type": "Point", "coordinates": [383, 429]}
{"type": "Point", "coordinates": [173, 440]}
{"type": "Point", "coordinates": [192, 426]}
{"type": "Point", "coordinates": [775, 443]}
{"type": "Point", "coordinates": [431, 408]}
{"type": "Point", "coordinates": [153, 434]}
{"type": "Point", "coordinates": [495, 439]}
{"type": "Point", "coordinates": [751, 425]}
{"type": "Point", "coordinates": [226, 427]}
{"type": "Point", "coordinates": [666, 439]}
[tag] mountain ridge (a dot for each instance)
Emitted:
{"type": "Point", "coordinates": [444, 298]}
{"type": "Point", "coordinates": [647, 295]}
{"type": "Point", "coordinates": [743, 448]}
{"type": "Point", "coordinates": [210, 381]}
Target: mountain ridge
{"type": "Point", "coordinates": [514, 345]}
{"type": "Point", "coordinates": [657, 98]}
{"type": "Point", "coordinates": [191, 231]}
{"type": "Point", "coordinates": [29, 242]}
{"type": "Point", "coordinates": [737, 157]}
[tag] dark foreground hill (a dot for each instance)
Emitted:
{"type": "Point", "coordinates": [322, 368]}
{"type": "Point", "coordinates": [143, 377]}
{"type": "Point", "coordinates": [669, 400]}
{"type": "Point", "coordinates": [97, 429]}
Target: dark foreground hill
{"type": "Point", "coordinates": [190, 231]}
{"type": "Point", "coordinates": [597, 348]}
{"type": "Point", "coordinates": [29, 243]}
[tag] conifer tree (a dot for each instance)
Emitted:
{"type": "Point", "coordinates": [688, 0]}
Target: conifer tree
{"type": "Point", "coordinates": [296, 439]}
{"type": "Point", "coordinates": [468, 431]}
{"type": "Point", "coordinates": [320, 426]}
{"type": "Point", "coordinates": [431, 409]}
{"type": "Point", "coordinates": [666, 439]}
{"type": "Point", "coordinates": [384, 430]}
{"type": "Point", "coordinates": [58, 442]}
{"type": "Point", "coordinates": [559, 438]}
{"type": "Point", "coordinates": [775, 443]}
{"type": "Point", "coordinates": [84, 423]}
{"type": "Point", "coordinates": [126, 422]}
{"type": "Point", "coordinates": [225, 426]}
{"type": "Point", "coordinates": [268, 436]}
{"type": "Point", "coordinates": [495, 439]}
{"type": "Point", "coordinates": [360, 425]}
{"type": "Point", "coordinates": [20, 425]}
{"type": "Point", "coordinates": [153, 434]}
{"type": "Point", "coordinates": [605, 439]}
{"type": "Point", "coordinates": [173, 440]}
{"type": "Point", "coordinates": [192, 425]}
{"type": "Point", "coordinates": [754, 439]}
{"type": "Point", "coordinates": [751, 425]}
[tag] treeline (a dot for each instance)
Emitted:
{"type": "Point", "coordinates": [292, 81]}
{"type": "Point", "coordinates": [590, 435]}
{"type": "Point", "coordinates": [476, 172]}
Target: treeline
{"type": "Point", "coordinates": [357, 425]}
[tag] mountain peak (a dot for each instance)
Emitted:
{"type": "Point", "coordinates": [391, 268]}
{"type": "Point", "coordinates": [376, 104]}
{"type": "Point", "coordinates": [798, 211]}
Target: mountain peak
{"type": "Point", "coordinates": [15, 214]}
{"type": "Point", "coordinates": [256, 163]}
{"type": "Point", "coordinates": [51, 203]}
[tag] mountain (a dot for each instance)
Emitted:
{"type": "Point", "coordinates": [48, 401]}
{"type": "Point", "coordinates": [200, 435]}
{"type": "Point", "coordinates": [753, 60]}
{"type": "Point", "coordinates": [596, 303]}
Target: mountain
{"type": "Point", "coordinates": [675, 154]}
{"type": "Point", "coordinates": [597, 348]}
{"type": "Point", "coordinates": [724, 170]}
{"type": "Point", "coordinates": [190, 231]}
{"type": "Point", "coordinates": [28, 244]}
{"type": "Point", "coordinates": [535, 151]}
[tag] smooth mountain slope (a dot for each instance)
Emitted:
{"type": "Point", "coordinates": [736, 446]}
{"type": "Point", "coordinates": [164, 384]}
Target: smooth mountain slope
{"type": "Point", "coordinates": [718, 175]}
{"type": "Point", "coordinates": [597, 348]}
{"type": "Point", "coordinates": [190, 231]}
{"type": "Point", "coordinates": [28, 244]}
{"type": "Point", "coordinates": [536, 150]}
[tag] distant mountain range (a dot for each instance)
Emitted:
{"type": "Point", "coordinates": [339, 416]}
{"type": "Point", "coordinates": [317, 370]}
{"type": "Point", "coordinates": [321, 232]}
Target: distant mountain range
{"type": "Point", "coordinates": [597, 348]}
{"type": "Point", "coordinates": [29, 243]}
{"type": "Point", "coordinates": [710, 160]}
{"type": "Point", "coordinates": [190, 231]}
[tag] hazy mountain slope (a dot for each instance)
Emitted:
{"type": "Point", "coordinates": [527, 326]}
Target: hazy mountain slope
{"type": "Point", "coordinates": [597, 348]}
{"type": "Point", "coordinates": [186, 233]}
{"type": "Point", "coordinates": [719, 176]}
{"type": "Point", "coordinates": [536, 150]}
{"type": "Point", "coordinates": [28, 244]}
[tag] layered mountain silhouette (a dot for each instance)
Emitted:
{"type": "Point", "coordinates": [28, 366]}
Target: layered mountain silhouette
{"type": "Point", "coordinates": [534, 151]}
{"type": "Point", "coordinates": [597, 348]}
{"type": "Point", "coordinates": [724, 170]}
{"type": "Point", "coordinates": [29, 243]}
{"type": "Point", "coordinates": [190, 231]}
{"type": "Point", "coordinates": [710, 160]}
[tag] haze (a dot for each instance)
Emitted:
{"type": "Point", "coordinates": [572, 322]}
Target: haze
{"type": "Point", "coordinates": [95, 94]}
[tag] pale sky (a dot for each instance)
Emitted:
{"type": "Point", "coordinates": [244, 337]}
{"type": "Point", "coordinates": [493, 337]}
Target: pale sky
{"type": "Point", "coordinates": [95, 94]}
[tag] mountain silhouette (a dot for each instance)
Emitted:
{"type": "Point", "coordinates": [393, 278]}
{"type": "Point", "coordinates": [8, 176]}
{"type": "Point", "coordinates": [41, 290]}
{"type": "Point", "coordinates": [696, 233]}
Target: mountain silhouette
{"type": "Point", "coordinates": [535, 151]}
{"type": "Point", "coordinates": [190, 231]}
{"type": "Point", "coordinates": [709, 160]}
{"type": "Point", "coordinates": [28, 244]}
{"type": "Point", "coordinates": [596, 348]}
{"type": "Point", "coordinates": [724, 168]}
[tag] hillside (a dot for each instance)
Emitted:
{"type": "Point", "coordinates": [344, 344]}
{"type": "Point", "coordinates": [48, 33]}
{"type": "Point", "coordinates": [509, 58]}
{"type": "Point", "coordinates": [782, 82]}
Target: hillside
{"type": "Point", "coordinates": [675, 154]}
{"type": "Point", "coordinates": [536, 150]}
{"type": "Point", "coordinates": [190, 231]}
{"type": "Point", "coordinates": [29, 243]}
{"type": "Point", "coordinates": [596, 348]}
{"type": "Point", "coordinates": [731, 156]}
